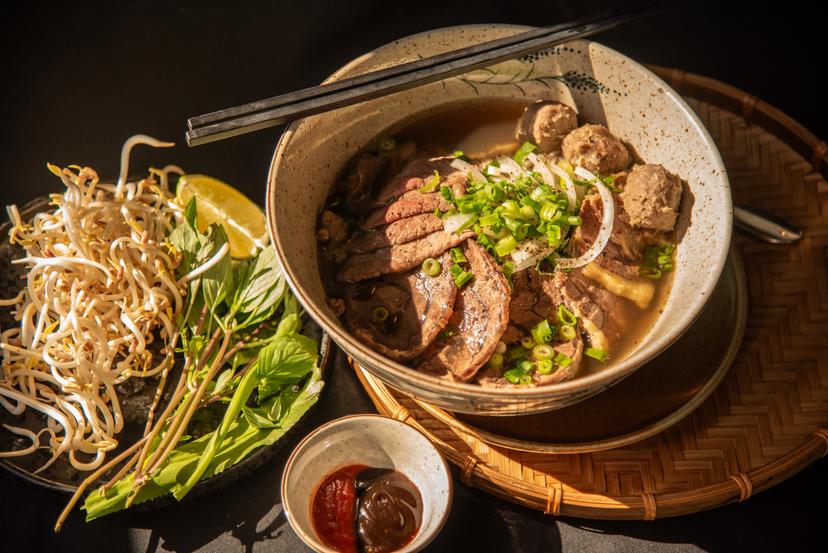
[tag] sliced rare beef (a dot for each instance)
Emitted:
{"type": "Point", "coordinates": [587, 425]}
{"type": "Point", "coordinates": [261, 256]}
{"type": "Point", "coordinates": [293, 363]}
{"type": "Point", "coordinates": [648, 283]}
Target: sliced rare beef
{"type": "Point", "coordinates": [603, 310]}
{"type": "Point", "coordinates": [409, 204]}
{"type": "Point", "coordinates": [370, 167]}
{"type": "Point", "coordinates": [418, 307]}
{"type": "Point", "coordinates": [417, 174]}
{"type": "Point", "coordinates": [399, 258]}
{"type": "Point", "coordinates": [401, 231]}
{"type": "Point", "coordinates": [481, 315]}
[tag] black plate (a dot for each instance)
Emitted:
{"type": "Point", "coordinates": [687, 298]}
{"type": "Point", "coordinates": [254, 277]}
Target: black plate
{"type": "Point", "coordinates": [61, 476]}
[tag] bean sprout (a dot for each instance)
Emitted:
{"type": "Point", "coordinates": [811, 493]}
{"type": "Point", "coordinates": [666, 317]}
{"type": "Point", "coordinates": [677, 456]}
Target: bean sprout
{"type": "Point", "coordinates": [99, 290]}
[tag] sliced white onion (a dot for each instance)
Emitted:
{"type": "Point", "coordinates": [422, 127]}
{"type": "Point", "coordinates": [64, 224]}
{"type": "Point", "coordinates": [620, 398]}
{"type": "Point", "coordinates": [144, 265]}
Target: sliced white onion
{"type": "Point", "coordinates": [539, 166]}
{"type": "Point", "coordinates": [568, 185]}
{"type": "Point", "coordinates": [453, 222]}
{"type": "Point", "coordinates": [529, 252]}
{"type": "Point", "coordinates": [493, 171]}
{"type": "Point", "coordinates": [607, 221]}
{"type": "Point", "coordinates": [468, 168]}
{"type": "Point", "coordinates": [510, 167]}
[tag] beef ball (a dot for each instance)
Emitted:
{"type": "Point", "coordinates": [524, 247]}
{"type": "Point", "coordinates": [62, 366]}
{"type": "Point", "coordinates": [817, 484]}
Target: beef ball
{"type": "Point", "coordinates": [594, 148]}
{"type": "Point", "coordinates": [545, 123]}
{"type": "Point", "coordinates": [651, 197]}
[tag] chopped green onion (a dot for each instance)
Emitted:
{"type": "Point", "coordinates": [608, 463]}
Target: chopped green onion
{"type": "Point", "coordinates": [549, 212]}
{"type": "Point", "coordinates": [471, 221]}
{"type": "Point", "coordinates": [573, 220]}
{"type": "Point", "coordinates": [511, 209]}
{"type": "Point", "coordinates": [516, 354]}
{"type": "Point", "coordinates": [542, 333]}
{"type": "Point", "coordinates": [527, 342]}
{"type": "Point", "coordinates": [508, 268]}
{"type": "Point", "coordinates": [545, 366]}
{"type": "Point", "coordinates": [460, 276]}
{"type": "Point", "coordinates": [379, 314]}
{"type": "Point", "coordinates": [501, 347]}
{"type": "Point", "coordinates": [649, 272]}
{"type": "Point", "coordinates": [565, 316]}
{"type": "Point", "coordinates": [563, 360]}
{"type": "Point", "coordinates": [432, 267]}
{"type": "Point", "coordinates": [431, 185]}
{"type": "Point", "coordinates": [387, 144]}
{"type": "Point", "coordinates": [567, 332]}
{"type": "Point", "coordinates": [528, 213]}
{"type": "Point", "coordinates": [543, 351]}
{"type": "Point", "coordinates": [525, 149]}
{"type": "Point", "coordinates": [446, 193]}
{"type": "Point", "coordinates": [496, 360]}
{"type": "Point", "coordinates": [489, 220]}
{"type": "Point", "coordinates": [457, 255]}
{"type": "Point", "coordinates": [597, 353]}
{"type": "Point", "coordinates": [513, 375]}
{"type": "Point", "coordinates": [505, 246]}
{"type": "Point", "coordinates": [460, 155]}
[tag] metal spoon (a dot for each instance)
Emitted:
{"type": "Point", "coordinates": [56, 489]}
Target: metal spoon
{"type": "Point", "coordinates": [765, 226]}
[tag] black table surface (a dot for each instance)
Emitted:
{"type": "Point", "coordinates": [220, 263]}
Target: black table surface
{"type": "Point", "coordinates": [78, 81]}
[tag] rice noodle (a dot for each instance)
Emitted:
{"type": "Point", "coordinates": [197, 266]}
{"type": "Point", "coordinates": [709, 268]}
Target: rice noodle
{"type": "Point", "coordinates": [97, 293]}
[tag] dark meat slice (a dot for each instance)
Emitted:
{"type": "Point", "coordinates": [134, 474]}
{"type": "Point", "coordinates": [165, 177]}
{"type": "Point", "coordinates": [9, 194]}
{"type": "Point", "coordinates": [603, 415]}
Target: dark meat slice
{"type": "Point", "coordinates": [651, 197]}
{"type": "Point", "coordinates": [481, 315]}
{"type": "Point", "coordinates": [625, 250]}
{"type": "Point", "coordinates": [512, 334]}
{"type": "Point", "coordinates": [545, 123]}
{"type": "Point", "coordinates": [418, 305]}
{"type": "Point", "coordinates": [398, 232]}
{"type": "Point", "coordinates": [588, 300]}
{"type": "Point", "coordinates": [415, 174]}
{"type": "Point", "coordinates": [593, 147]}
{"type": "Point", "coordinates": [548, 290]}
{"type": "Point", "coordinates": [397, 259]}
{"type": "Point", "coordinates": [523, 301]}
{"type": "Point", "coordinates": [369, 167]}
{"type": "Point", "coordinates": [409, 204]}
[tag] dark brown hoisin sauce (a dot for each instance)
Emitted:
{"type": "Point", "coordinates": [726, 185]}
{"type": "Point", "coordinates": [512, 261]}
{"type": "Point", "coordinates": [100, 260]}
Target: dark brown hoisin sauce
{"type": "Point", "coordinates": [357, 508]}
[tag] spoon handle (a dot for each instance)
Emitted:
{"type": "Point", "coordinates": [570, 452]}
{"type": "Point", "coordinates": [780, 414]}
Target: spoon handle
{"type": "Point", "coordinates": [765, 226]}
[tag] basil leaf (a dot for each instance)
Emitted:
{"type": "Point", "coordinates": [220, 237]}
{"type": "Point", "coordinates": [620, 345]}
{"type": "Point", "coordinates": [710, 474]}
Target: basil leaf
{"type": "Point", "coordinates": [286, 360]}
{"type": "Point", "coordinates": [217, 281]}
{"type": "Point", "coordinates": [191, 213]}
{"type": "Point", "coordinates": [255, 418]}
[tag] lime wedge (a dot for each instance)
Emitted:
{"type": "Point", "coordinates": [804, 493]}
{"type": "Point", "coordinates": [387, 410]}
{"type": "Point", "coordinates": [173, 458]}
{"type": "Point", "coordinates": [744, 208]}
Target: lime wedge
{"type": "Point", "coordinates": [218, 202]}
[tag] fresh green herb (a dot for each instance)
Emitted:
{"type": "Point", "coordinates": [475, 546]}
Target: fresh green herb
{"type": "Point", "coordinates": [460, 155]}
{"type": "Point", "coordinates": [432, 267]}
{"type": "Point", "coordinates": [431, 185]}
{"type": "Point", "coordinates": [239, 333]}
{"type": "Point", "coordinates": [459, 275]}
{"type": "Point", "coordinates": [565, 316]}
{"type": "Point", "coordinates": [545, 366]}
{"type": "Point", "coordinates": [379, 314]}
{"type": "Point", "coordinates": [567, 332]}
{"type": "Point", "coordinates": [525, 149]}
{"type": "Point", "coordinates": [457, 255]}
{"type": "Point", "coordinates": [542, 332]}
{"type": "Point", "coordinates": [597, 353]}
{"type": "Point", "coordinates": [527, 342]}
{"type": "Point", "coordinates": [657, 261]}
{"type": "Point", "coordinates": [387, 144]}
{"type": "Point", "coordinates": [562, 360]}
{"type": "Point", "coordinates": [543, 351]}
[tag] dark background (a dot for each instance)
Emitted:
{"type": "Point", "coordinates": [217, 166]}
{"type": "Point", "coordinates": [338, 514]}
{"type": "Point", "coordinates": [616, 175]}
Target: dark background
{"type": "Point", "coordinates": [78, 81]}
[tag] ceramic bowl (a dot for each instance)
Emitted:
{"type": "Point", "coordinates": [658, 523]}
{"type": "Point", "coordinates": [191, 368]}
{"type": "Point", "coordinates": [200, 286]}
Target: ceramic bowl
{"type": "Point", "coordinates": [376, 442]}
{"type": "Point", "coordinates": [605, 87]}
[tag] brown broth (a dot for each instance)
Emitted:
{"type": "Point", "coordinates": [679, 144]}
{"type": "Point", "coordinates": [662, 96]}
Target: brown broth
{"type": "Point", "coordinates": [485, 128]}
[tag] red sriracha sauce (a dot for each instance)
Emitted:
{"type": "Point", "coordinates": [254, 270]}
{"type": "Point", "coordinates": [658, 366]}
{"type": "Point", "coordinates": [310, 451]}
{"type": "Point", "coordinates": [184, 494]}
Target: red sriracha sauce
{"type": "Point", "coordinates": [334, 509]}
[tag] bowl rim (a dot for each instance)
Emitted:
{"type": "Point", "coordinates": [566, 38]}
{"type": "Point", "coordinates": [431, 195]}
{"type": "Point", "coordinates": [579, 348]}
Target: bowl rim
{"type": "Point", "coordinates": [591, 383]}
{"type": "Point", "coordinates": [315, 544]}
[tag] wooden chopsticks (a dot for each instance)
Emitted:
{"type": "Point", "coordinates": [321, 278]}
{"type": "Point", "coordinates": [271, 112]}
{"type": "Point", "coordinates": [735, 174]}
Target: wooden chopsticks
{"type": "Point", "coordinates": [270, 112]}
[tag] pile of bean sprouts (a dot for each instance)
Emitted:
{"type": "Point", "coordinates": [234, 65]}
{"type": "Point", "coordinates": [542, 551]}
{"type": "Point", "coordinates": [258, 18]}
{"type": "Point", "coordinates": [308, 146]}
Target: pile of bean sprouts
{"type": "Point", "coordinates": [99, 289]}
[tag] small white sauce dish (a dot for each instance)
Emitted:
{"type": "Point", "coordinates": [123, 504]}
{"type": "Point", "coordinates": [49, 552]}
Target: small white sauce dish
{"type": "Point", "coordinates": [377, 442]}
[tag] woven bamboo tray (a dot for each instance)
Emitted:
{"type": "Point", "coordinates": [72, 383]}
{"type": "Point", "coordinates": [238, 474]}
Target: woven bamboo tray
{"type": "Point", "coordinates": [769, 417]}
